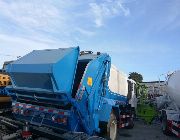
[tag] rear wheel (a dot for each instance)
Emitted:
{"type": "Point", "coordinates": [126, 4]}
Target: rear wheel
{"type": "Point", "coordinates": [112, 127]}
{"type": "Point", "coordinates": [131, 123]}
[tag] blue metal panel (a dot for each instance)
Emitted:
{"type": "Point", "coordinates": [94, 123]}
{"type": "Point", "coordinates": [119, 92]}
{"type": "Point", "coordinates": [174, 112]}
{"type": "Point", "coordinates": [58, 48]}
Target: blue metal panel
{"type": "Point", "coordinates": [64, 71]}
{"type": "Point", "coordinates": [51, 70]}
{"type": "Point", "coordinates": [89, 96]}
{"type": "Point", "coordinates": [2, 92]}
{"type": "Point", "coordinates": [88, 57]}
{"type": "Point", "coordinates": [94, 102]}
{"type": "Point", "coordinates": [120, 99]}
{"type": "Point", "coordinates": [105, 111]}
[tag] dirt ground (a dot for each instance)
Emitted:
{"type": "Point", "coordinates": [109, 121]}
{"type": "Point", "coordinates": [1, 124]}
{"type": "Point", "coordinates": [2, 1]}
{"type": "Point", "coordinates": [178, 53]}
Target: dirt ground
{"type": "Point", "coordinates": [142, 131]}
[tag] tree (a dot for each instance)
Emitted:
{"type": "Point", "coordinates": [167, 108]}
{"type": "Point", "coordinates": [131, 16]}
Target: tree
{"type": "Point", "coordinates": [136, 77]}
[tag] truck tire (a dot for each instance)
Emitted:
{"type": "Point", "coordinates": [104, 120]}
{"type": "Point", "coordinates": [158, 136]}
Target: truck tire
{"type": "Point", "coordinates": [112, 127]}
{"type": "Point", "coordinates": [131, 124]}
{"type": "Point", "coordinates": [164, 124]}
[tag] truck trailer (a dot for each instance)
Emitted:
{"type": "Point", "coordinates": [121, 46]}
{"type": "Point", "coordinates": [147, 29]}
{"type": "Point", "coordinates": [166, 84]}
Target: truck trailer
{"type": "Point", "coordinates": [169, 105]}
{"type": "Point", "coordinates": [64, 94]}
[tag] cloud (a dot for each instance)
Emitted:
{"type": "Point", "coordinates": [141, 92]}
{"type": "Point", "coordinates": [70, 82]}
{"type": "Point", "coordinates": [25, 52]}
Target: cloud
{"type": "Point", "coordinates": [49, 20]}
{"type": "Point", "coordinates": [12, 47]}
{"type": "Point", "coordinates": [85, 32]}
{"type": "Point", "coordinates": [26, 43]}
{"type": "Point", "coordinates": [157, 16]}
{"type": "Point", "coordinates": [173, 17]}
{"type": "Point", "coordinates": [57, 19]}
{"type": "Point", "coordinates": [27, 25]}
{"type": "Point", "coordinates": [108, 9]}
{"type": "Point", "coordinates": [32, 14]}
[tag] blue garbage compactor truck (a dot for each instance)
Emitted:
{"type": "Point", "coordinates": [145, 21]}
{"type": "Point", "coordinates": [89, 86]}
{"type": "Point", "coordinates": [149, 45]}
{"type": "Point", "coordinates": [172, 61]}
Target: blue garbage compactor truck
{"type": "Point", "coordinates": [67, 89]}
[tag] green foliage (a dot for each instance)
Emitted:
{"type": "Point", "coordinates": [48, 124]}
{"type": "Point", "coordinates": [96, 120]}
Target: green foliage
{"type": "Point", "coordinates": [136, 77]}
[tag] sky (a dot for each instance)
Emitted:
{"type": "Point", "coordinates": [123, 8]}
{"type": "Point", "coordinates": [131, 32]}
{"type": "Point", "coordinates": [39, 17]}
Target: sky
{"type": "Point", "coordinates": [140, 35]}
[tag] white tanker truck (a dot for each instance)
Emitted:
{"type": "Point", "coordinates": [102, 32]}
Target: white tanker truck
{"type": "Point", "coordinates": [169, 105]}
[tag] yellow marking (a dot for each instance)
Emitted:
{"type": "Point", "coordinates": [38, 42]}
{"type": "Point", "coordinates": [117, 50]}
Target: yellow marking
{"type": "Point", "coordinates": [90, 81]}
{"type": "Point", "coordinates": [4, 80]}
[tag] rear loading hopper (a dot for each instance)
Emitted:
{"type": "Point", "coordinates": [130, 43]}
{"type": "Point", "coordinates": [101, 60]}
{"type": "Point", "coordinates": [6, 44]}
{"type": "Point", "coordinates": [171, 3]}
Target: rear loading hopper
{"type": "Point", "coordinates": [45, 75]}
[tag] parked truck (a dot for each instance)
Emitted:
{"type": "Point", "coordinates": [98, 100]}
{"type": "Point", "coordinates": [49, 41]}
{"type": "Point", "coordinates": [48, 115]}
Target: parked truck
{"type": "Point", "coordinates": [61, 93]}
{"type": "Point", "coordinates": [169, 105]}
{"type": "Point", "coordinates": [121, 84]}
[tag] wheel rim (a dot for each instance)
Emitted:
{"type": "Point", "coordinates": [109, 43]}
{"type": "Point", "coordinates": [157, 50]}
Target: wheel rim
{"type": "Point", "coordinates": [113, 130]}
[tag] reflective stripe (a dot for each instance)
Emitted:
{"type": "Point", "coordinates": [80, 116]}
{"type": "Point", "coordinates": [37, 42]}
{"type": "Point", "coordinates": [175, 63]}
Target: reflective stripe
{"type": "Point", "coordinates": [50, 110]}
{"type": "Point", "coordinates": [55, 111]}
{"type": "Point", "coordinates": [61, 113]}
{"type": "Point", "coordinates": [170, 127]}
{"type": "Point", "coordinates": [33, 107]}
{"type": "Point", "coordinates": [28, 106]}
{"type": "Point", "coordinates": [20, 105]}
{"type": "Point", "coordinates": [175, 132]}
{"type": "Point", "coordinates": [36, 107]}
{"type": "Point", "coordinates": [175, 124]}
{"type": "Point", "coordinates": [39, 108]}
{"type": "Point", "coordinates": [46, 110]}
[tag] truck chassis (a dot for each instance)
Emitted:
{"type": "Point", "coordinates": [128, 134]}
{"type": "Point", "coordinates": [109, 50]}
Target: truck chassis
{"type": "Point", "coordinates": [11, 129]}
